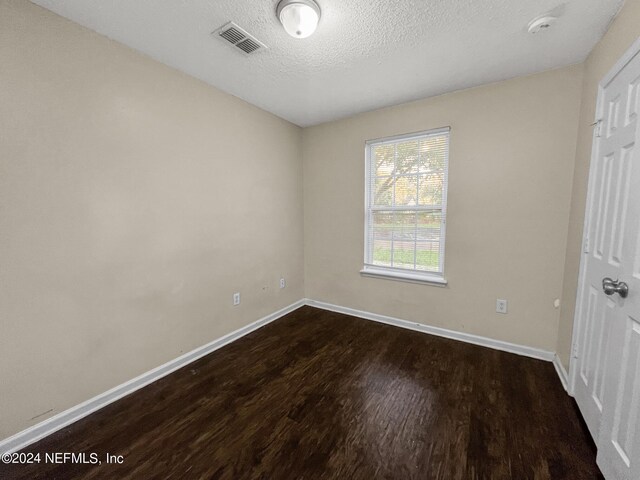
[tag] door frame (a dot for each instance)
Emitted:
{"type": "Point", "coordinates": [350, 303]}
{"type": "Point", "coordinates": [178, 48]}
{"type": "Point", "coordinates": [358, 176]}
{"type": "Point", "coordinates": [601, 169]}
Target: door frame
{"type": "Point", "coordinates": [578, 318]}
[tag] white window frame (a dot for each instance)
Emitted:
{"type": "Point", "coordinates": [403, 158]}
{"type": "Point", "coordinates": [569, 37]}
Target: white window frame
{"type": "Point", "coordinates": [394, 273]}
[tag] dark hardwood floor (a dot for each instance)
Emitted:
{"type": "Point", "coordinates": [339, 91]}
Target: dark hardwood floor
{"type": "Point", "coordinates": [318, 394]}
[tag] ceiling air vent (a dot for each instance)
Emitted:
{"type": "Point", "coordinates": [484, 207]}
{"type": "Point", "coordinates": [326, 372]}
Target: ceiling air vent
{"type": "Point", "coordinates": [233, 35]}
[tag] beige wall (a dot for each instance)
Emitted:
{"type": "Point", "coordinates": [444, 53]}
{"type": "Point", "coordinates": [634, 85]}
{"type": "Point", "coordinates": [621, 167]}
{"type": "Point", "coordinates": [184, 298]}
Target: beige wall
{"type": "Point", "coordinates": [622, 33]}
{"type": "Point", "coordinates": [119, 252]}
{"type": "Point", "coordinates": [134, 200]}
{"type": "Point", "coordinates": [511, 161]}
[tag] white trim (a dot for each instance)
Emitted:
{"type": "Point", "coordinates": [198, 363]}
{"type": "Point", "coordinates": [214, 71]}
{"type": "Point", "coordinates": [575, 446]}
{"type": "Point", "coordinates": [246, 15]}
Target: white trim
{"type": "Point", "coordinates": [405, 208]}
{"type": "Point", "coordinates": [404, 136]}
{"type": "Point", "coordinates": [562, 373]}
{"type": "Point", "coordinates": [440, 332]}
{"type": "Point", "coordinates": [369, 208]}
{"type": "Point", "coordinates": [73, 414]}
{"type": "Point", "coordinates": [406, 276]}
{"type": "Point", "coordinates": [47, 427]}
{"type": "Point", "coordinates": [577, 316]}
{"type": "Point", "coordinates": [633, 50]}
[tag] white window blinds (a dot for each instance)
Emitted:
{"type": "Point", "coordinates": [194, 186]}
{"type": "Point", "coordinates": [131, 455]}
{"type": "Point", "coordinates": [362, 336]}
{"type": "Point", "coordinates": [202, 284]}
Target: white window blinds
{"type": "Point", "coordinates": [406, 192]}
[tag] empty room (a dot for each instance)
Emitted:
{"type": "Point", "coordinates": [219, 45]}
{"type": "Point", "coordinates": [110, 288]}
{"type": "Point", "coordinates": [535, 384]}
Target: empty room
{"type": "Point", "coordinates": [320, 239]}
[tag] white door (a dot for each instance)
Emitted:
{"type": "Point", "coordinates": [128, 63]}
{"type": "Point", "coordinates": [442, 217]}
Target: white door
{"type": "Point", "coordinates": [607, 375]}
{"type": "Point", "coordinates": [619, 440]}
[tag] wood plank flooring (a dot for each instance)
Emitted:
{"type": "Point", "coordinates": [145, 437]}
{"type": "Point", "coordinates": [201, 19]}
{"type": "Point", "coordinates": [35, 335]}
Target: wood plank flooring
{"type": "Point", "coordinates": [320, 395]}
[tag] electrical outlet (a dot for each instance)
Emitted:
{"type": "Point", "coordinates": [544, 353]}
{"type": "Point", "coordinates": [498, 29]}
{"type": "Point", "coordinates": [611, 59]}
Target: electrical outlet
{"type": "Point", "coordinates": [282, 283]}
{"type": "Point", "coordinates": [501, 306]}
{"type": "Point", "coordinates": [236, 298]}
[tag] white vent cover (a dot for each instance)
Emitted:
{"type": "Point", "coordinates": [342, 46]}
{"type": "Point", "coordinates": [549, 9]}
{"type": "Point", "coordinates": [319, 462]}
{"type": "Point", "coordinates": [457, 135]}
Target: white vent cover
{"type": "Point", "coordinates": [232, 34]}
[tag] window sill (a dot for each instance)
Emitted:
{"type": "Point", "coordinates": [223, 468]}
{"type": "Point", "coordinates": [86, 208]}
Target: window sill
{"type": "Point", "coordinates": [410, 277]}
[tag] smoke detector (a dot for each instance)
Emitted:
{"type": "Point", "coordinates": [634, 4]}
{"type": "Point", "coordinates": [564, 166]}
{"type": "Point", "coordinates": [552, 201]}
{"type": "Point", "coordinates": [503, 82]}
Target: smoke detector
{"type": "Point", "coordinates": [541, 23]}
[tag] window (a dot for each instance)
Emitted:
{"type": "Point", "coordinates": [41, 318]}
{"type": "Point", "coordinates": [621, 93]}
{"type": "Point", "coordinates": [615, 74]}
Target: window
{"type": "Point", "coordinates": [406, 204]}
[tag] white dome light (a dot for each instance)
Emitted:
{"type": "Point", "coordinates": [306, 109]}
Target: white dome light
{"type": "Point", "coordinates": [299, 17]}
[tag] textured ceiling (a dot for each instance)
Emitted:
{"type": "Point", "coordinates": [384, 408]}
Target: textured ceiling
{"type": "Point", "coordinates": [366, 54]}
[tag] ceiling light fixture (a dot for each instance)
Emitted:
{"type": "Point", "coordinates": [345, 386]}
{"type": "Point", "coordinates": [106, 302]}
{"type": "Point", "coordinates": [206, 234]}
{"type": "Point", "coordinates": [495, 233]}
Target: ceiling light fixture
{"type": "Point", "coordinates": [299, 17]}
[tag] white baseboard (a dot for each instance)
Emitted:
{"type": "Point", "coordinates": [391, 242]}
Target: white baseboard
{"type": "Point", "coordinates": [73, 414]}
{"type": "Point", "coordinates": [562, 373]}
{"type": "Point", "coordinates": [47, 427]}
{"type": "Point", "coordinates": [440, 332]}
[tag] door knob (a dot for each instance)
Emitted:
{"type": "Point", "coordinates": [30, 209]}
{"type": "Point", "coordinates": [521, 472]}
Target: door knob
{"type": "Point", "coordinates": [610, 287]}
